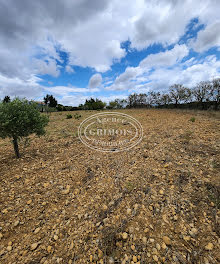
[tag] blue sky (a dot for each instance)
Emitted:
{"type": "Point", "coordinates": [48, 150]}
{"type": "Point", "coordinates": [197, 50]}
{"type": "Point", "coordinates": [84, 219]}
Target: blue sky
{"type": "Point", "coordinates": [77, 50]}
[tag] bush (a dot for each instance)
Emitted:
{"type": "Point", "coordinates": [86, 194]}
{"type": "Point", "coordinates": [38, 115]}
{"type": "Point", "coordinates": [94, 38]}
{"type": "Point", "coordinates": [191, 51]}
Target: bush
{"type": "Point", "coordinates": [69, 116]}
{"type": "Point", "coordinates": [93, 104]}
{"type": "Point", "coordinates": [50, 109]}
{"type": "Point", "coordinates": [192, 119]}
{"type": "Point", "coordinates": [19, 119]}
{"type": "Point", "coordinates": [77, 116]}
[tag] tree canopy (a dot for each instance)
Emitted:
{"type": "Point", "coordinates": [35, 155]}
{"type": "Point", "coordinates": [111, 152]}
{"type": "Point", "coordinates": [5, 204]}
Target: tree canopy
{"type": "Point", "coordinates": [50, 101]}
{"type": "Point", "coordinates": [6, 99]}
{"type": "Point", "coordinates": [20, 118]}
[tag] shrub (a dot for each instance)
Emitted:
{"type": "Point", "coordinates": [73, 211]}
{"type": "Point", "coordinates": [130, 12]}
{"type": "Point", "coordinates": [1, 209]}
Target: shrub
{"type": "Point", "coordinates": [19, 119]}
{"type": "Point", "coordinates": [192, 119]}
{"type": "Point", "coordinates": [50, 109]}
{"type": "Point", "coordinates": [69, 116]}
{"type": "Point", "coordinates": [77, 116]}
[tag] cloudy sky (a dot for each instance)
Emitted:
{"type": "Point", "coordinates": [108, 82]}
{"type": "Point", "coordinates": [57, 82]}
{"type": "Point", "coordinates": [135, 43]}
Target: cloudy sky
{"type": "Point", "coordinates": [77, 49]}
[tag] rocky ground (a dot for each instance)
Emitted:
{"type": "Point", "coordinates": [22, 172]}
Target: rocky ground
{"type": "Point", "coordinates": [157, 203]}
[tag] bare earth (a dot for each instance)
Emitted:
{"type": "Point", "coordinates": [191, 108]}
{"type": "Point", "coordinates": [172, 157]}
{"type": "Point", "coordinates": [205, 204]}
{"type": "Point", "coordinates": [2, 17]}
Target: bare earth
{"type": "Point", "coordinates": [157, 203]}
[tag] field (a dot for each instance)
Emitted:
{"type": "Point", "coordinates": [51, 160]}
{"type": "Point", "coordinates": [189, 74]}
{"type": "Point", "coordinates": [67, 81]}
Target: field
{"type": "Point", "coordinates": [159, 202]}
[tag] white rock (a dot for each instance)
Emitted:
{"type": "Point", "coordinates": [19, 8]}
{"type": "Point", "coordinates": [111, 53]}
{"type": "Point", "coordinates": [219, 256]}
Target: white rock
{"type": "Point", "coordinates": [16, 223]}
{"type": "Point", "coordinates": [124, 235]}
{"type": "Point", "coordinates": [34, 246]}
{"type": "Point", "coordinates": [36, 230]}
{"type": "Point", "coordinates": [9, 248]}
{"type": "Point", "coordinates": [209, 246]}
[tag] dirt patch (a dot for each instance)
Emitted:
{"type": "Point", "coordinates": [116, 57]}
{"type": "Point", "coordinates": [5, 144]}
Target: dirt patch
{"type": "Point", "coordinates": [156, 203]}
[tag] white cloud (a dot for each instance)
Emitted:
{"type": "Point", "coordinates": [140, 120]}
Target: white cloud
{"type": "Point", "coordinates": [163, 22]}
{"type": "Point", "coordinates": [124, 81]}
{"type": "Point", "coordinates": [95, 81]}
{"type": "Point", "coordinates": [75, 100]}
{"type": "Point", "coordinates": [65, 90]}
{"type": "Point", "coordinates": [188, 73]}
{"type": "Point", "coordinates": [46, 67]}
{"type": "Point", "coordinates": [129, 73]}
{"type": "Point", "coordinates": [162, 78]}
{"type": "Point", "coordinates": [207, 38]}
{"type": "Point", "coordinates": [29, 89]}
{"type": "Point", "coordinates": [69, 69]}
{"type": "Point", "coordinates": [110, 98]}
{"type": "Point", "coordinates": [134, 75]}
{"type": "Point", "coordinates": [91, 32]}
{"type": "Point", "coordinates": [166, 58]}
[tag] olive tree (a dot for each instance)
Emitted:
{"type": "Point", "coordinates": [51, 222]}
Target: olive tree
{"type": "Point", "coordinates": [165, 99]}
{"type": "Point", "coordinates": [20, 118]}
{"type": "Point", "coordinates": [179, 93]}
{"type": "Point", "coordinates": [202, 92]}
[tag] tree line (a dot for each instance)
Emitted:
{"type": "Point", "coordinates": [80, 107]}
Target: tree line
{"type": "Point", "coordinates": [205, 95]}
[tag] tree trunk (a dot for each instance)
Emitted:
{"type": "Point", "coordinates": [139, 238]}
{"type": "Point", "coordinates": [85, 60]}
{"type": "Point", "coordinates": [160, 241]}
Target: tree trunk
{"type": "Point", "coordinates": [176, 103]}
{"type": "Point", "coordinates": [16, 149]}
{"type": "Point", "coordinates": [216, 105]}
{"type": "Point", "coordinates": [202, 105]}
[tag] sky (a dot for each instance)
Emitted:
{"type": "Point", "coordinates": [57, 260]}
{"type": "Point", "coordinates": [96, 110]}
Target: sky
{"type": "Point", "coordinates": [106, 49]}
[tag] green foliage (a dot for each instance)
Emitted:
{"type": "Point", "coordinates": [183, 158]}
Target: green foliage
{"type": "Point", "coordinates": [77, 116]}
{"type": "Point", "coordinates": [192, 119]}
{"type": "Point", "coordinates": [60, 107]}
{"type": "Point", "coordinates": [94, 104]}
{"type": "Point", "coordinates": [215, 164]}
{"type": "Point", "coordinates": [19, 119]}
{"type": "Point", "coordinates": [68, 108]}
{"type": "Point", "coordinates": [112, 105]}
{"type": "Point", "coordinates": [50, 109]}
{"type": "Point", "coordinates": [117, 104]}
{"type": "Point", "coordinates": [130, 186]}
{"type": "Point", "coordinates": [69, 116]}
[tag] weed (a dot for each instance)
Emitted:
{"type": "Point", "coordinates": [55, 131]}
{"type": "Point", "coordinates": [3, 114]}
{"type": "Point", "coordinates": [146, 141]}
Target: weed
{"type": "Point", "coordinates": [215, 164]}
{"type": "Point", "coordinates": [77, 116]}
{"type": "Point", "coordinates": [64, 134]}
{"type": "Point", "coordinates": [130, 186]}
{"type": "Point", "coordinates": [214, 194]}
{"type": "Point", "coordinates": [69, 116]}
{"type": "Point", "coordinates": [192, 119]}
{"type": "Point", "coordinates": [109, 241]}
